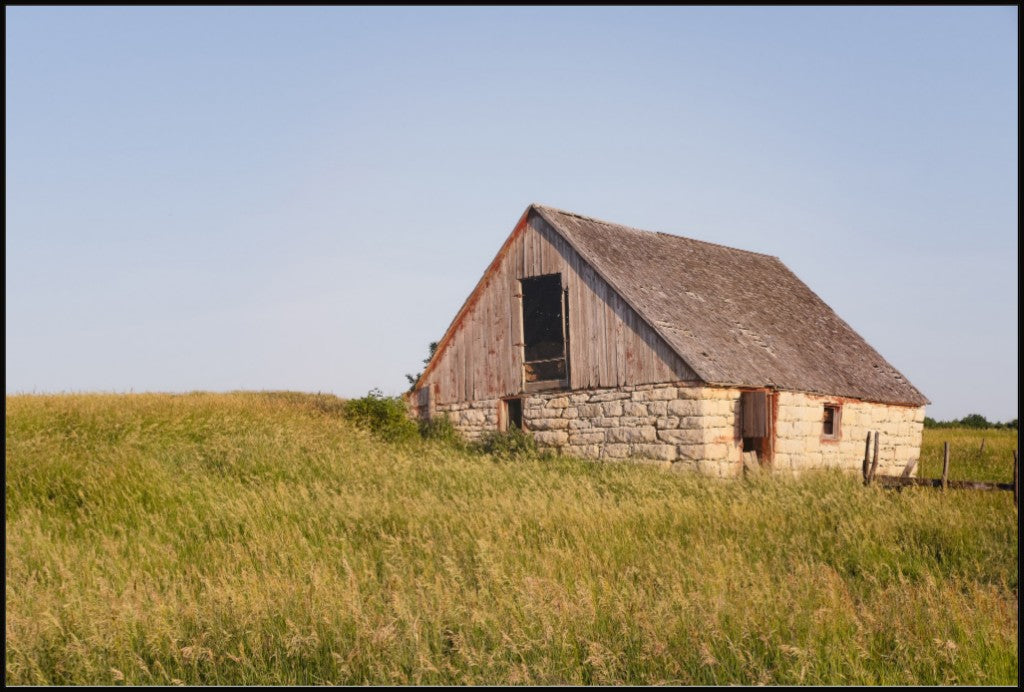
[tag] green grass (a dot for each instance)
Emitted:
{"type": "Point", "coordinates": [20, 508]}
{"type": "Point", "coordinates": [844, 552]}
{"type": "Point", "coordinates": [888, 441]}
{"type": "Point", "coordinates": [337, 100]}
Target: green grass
{"type": "Point", "coordinates": [260, 538]}
{"type": "Point", "coordinates": [967, 459]}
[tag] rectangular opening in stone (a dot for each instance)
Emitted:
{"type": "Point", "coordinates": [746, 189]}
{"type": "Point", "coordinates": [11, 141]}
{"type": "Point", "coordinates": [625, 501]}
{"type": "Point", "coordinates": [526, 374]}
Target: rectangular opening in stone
{"type": "Point", "coordinates": [544, 330]}
{"type": "Point", "coordinates": [512, 414]}
{"type": "Point", "coordinates": [830, 422]}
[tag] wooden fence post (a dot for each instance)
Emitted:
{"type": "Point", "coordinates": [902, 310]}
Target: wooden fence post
{"type": "Point", "coordinates": [1015, 481]}
{"type": "Point", "coordinates": [945, 464]}
{"type": "Point", "coordinates": [981, 449]}
{"type": "Point", "coordinates": [867, 457]}
{"type": "Point", "coordinates": [874, 463]}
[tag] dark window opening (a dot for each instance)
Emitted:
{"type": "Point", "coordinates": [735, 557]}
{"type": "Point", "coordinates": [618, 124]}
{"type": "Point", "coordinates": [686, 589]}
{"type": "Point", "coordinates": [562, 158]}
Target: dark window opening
{"type": "Point", "coordinates": [513, 417]}
{"type": "Point", "coordinates": [544, 329]}
{"type": "Point", "coordinates": [750, 444]}
{"type": "Point", "coordinates": [830, 422]}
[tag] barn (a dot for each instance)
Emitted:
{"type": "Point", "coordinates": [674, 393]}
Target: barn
{"type": "Point", "coordinates": [609, 342]}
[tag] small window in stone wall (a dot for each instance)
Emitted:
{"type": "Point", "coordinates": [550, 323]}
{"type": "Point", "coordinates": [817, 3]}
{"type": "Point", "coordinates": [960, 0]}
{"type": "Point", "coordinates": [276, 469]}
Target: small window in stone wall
{"type": "Point", "coordinates": [830, 422]}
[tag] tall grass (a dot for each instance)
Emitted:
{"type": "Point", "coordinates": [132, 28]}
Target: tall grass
{"type": "Point", "coordinates": [262, 538]}
{"type": "Point", "coordinates": [968, 458]}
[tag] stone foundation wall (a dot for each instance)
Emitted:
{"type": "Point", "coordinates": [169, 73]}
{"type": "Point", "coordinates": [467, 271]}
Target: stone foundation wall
{"type": "Point", "coordinates": [697, 428]}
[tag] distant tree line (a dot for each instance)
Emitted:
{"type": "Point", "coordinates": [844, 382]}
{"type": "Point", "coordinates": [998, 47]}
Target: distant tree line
{"type": "Point", "coordinates": [973, 420]}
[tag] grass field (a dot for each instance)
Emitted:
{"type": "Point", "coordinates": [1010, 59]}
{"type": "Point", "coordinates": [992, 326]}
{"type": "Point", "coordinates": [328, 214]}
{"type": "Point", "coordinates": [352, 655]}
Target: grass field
{"type": "Point", "coordinates": [259, 538]}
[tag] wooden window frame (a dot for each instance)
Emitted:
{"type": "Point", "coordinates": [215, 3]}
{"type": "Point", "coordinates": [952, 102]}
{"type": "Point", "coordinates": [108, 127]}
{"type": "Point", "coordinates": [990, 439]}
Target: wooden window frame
{"type": "Point", "coordinates": [837, 422]}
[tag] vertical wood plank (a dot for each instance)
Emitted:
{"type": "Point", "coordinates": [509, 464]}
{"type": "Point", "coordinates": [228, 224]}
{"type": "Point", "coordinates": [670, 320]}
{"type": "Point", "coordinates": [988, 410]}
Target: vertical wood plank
{"type": "Point", "coordinates": [867, 457]}
{"type": "Point", "coordinates": [945, 464]}
{"type": "Point", "coordinates": [874, 462]}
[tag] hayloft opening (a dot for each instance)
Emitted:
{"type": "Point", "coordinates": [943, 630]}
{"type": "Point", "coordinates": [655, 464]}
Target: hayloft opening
{"type": "Point", "coordinates": [545, 331]}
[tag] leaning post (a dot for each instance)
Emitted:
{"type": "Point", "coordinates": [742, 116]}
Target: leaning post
{"type": "Point", "coordinates": [867, 457]}
{"type": "Point", "coordinates": [945, 464]}
{"type": "Point", "coordinates": [874, 462]}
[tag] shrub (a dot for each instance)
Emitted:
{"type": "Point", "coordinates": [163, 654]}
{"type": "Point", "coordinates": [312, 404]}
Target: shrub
{"type": "Point", "coordinates": [384, 416]}
{"type": "Point", "coordinates": [511, 444]}
{"type": "Point", "coordinates": [440, 428]}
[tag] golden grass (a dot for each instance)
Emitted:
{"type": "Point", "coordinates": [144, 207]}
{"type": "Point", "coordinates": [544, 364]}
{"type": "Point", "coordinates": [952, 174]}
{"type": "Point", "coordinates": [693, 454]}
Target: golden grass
{"type": "Point", "coordinates": [258, 538]}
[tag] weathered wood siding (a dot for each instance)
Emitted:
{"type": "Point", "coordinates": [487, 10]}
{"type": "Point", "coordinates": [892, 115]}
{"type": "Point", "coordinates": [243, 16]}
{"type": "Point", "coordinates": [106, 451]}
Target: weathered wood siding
{"type": "Point", "coordinates": [609, 344]}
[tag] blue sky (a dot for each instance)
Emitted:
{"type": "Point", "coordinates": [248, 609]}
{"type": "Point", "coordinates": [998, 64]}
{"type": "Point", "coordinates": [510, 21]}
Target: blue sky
{"type": "Point", "coordinates": [301, 198]}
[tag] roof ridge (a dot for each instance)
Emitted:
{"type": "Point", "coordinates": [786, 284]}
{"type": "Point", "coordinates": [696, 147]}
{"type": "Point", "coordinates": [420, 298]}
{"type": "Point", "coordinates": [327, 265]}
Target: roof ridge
{"type": "Point", "coordinates": [643, 230]}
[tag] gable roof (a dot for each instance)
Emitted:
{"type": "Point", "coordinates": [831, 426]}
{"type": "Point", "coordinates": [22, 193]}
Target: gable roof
{"type": "Point", "coordinates": [737, 318]}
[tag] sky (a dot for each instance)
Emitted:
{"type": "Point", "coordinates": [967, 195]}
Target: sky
{"type": "Point", "coordinates": [302, 198]}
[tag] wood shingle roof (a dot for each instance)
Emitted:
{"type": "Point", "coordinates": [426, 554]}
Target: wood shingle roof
{"type": "Point", "coordinates": [738, 318]}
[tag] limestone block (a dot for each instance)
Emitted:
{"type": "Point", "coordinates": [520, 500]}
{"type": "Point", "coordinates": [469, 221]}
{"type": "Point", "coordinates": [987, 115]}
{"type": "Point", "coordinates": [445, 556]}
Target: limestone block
{"type": "Point", "coordinates": [685, 436]}
{"type": "Point", "coordinates": [668, 422]}
{"type": "Point", "coordinates": [581, 424]}
{"type": "Point", "coordinates": [586, 438]}
{"type": "Point", "coordinates": [905, 453]}
{"type": "Point", "coordinates": [790, 446]}
{"type": "Point", "coordinates": [662, 394]}
{"type": "Point", "coordinates": [657, 408]}
{"type": "Point", "coordinates": [614, 395]}
{"type": "Point", "coordinates": [691, 452]}
{"type": "Point", "coordinates": [722, 422]}
{"type": "Point", "coordinates": [473, 417]}
{"type": "Point", "coordinates": [715, 451]}
{"type": "Point", "coordinates": [689, 393]}
{"type": "Point", "coordinates": [553, 438]}
{"type": "Point", "coordinates": [716, 407]}
{"type": "Point", "coordinates": [653, 451]}
{"type": "Point", "coordinates": [590, 410]}
{"type": "Point", "coordinates": [612, 408]}
{"type": "Point", "coordinates": [685, 407]}
{"type": "Point", "coordinates": [547, 423]}
{"type": "Point", "coordinates": [585, 451]}
{"type": "Point", "coordinates": [641, 434]}
{"type": "Point", "coordinates": [785, 429]}
{"type": "Point", "coordinates": [570, 412]}
{"type": "Point", "coordinates": [558, 402]}
{"type": "Point", "coordinates": [607, 422]}
{"type": "Point", "coordinates": [634, 421]}
{"type": "Point", "coordinates": [616, 451]}
{"type": "Point", "coordinates": [579, 398]}
{"type": "Point", "coordinates": [632, 408]}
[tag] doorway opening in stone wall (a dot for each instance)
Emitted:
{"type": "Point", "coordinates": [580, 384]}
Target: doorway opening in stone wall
{"type": "Point", "coordinates": [510, 414]}
{"type": "Point", "coordinates": [757, 424]}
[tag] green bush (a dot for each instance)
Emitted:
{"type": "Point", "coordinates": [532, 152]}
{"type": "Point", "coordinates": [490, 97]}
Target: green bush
{"type": "Point", "coordinates": [384, 416]}
{"type": "Point", "coordinates": [441, 429]}
{"type": "Point", "coordinates": [511, 444]}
